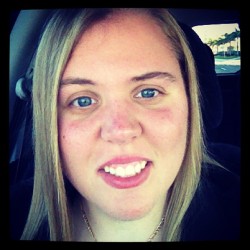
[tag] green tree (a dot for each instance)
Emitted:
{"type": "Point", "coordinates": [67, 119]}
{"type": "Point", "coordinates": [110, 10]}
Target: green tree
{"type": "Point", "coordinates": [236, 35]}
{"type": "Point", "coordinates": [221, 40]}
{"type": "Point", "coordinates": [228, 38]}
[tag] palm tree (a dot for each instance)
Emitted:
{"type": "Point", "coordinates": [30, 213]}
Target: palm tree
{"type": "Point", "coordinates": [228, 39]}
{"type": "Point", "coordinates": [231, 37]}
{"type": "Point", "coordinates": [211, 43]}
{"type": "Point", "coordinates": [236, 35]}
{"type": "Point", "coordinates": [221, 40]}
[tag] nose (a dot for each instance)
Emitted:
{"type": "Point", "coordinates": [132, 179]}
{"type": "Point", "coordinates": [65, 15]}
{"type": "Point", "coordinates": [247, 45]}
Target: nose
{"type": "Point", "coordinates": [120, 125]}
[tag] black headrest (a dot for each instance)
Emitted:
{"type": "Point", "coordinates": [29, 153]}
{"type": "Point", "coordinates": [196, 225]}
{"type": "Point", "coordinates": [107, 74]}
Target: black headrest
{"type": "Point", "coordinates": [212, 106]}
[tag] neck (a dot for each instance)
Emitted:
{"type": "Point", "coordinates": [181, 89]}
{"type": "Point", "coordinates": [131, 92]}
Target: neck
{"type": "Point", "coordinates": [106, 228]}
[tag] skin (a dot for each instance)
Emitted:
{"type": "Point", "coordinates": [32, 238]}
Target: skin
{"type": "Point", "coordinates": [120, 121]}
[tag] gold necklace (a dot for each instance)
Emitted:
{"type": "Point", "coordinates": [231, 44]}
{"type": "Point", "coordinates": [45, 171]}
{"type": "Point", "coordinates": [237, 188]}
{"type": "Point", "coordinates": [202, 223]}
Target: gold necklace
{"type": "Point", "coordinates": [152, 236]}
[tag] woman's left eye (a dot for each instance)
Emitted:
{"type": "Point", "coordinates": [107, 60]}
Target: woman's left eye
{"type": "Point", "coordinates": [148, 93]}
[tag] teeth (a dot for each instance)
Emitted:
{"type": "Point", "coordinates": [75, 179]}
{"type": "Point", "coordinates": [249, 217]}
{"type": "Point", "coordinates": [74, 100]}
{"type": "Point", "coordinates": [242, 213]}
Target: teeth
{"type": "Point", "coordinates": [126, 170]}
{"type": "Point", "coordinates": [130, 171]}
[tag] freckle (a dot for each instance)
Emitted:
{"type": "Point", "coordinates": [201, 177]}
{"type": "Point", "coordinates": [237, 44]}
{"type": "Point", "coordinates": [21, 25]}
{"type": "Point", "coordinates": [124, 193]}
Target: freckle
{"type": "Point", "coordinates": [63, 136]}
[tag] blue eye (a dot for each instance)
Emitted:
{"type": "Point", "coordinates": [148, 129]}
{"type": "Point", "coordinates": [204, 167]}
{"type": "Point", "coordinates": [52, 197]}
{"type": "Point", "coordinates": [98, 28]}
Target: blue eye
{"type": "Point", "coordinates": [148, 93]}
{"type": "Point", "coordinates": [83, 102]}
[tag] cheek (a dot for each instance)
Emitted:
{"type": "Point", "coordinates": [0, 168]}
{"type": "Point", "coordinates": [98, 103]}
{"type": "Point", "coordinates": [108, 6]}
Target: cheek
{"type": "Point", "coordinates": [165, 115]}
{"type": "Point", "coordinates": [74, 130]}
{"type": "Point", "coordinates": [169, 125]}
{"type": "Point", "coordinates": [73, 138]}
{"type": "Point", "coordinates": [172, 117]}
{"type": "Point", "coordinates": [69, 136]}
{"type": "Point", "coordinates": [168, 136]}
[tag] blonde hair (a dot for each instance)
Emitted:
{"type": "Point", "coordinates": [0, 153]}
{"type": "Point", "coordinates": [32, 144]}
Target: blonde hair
{"type": "Point", "coordinates": [49, 200]}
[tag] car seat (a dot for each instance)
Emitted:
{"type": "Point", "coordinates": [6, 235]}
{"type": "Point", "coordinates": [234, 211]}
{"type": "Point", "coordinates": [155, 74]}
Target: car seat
{"type": "Point", "coordinates": [212, 104]}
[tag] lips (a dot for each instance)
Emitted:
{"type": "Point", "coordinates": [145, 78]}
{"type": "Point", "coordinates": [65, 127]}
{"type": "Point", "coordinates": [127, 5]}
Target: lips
{"type": "Point", "coordinates": [125, 172]}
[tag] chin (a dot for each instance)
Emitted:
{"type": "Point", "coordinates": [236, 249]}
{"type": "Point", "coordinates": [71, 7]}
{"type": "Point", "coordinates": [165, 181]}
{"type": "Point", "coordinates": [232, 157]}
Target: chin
{"type": "Point", "coordinates": [127, 213]}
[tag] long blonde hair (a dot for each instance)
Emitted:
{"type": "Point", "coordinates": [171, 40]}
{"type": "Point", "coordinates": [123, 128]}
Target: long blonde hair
{"type": "Point", "coordinates": [50, 202]}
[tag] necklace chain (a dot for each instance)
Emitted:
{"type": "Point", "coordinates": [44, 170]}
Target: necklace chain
{"type": "Point", "coordinates": [88, 225]}
{"type": "Point", "coordinates": [152, 236]}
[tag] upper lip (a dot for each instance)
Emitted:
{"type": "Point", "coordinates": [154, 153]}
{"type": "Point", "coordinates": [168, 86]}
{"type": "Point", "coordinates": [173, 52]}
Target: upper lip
{"type": "Point", "coordinates": [123, 160]}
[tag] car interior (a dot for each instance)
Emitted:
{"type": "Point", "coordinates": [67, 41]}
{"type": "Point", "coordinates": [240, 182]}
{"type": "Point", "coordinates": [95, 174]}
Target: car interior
{"type": "Point", "coordinates": [221, 96]}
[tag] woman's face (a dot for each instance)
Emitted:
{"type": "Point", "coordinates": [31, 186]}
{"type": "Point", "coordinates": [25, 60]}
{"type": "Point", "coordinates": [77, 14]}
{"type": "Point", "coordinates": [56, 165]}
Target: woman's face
{"type": "Point", "coordinates": [123, 116]}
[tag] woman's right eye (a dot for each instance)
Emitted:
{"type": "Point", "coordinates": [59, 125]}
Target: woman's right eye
{"type": "Point", "coordinates": [83, 102]}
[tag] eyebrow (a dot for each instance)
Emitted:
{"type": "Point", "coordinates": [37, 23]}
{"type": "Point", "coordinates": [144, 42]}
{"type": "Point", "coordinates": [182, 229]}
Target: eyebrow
{"type": "Point", "coordinates": [76, 80]}
{"type": "Point", "coordinates": [152, 75]}
{"type": "Point", "coordinates": [143, 77]}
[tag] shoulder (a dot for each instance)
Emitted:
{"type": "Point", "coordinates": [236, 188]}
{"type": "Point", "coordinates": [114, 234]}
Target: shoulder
{"type": "Point", "coordinates": [214, 213]}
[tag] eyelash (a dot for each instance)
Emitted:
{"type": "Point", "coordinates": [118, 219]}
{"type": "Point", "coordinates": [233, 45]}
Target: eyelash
{"type": "Point", "coordinates": [150, 93]}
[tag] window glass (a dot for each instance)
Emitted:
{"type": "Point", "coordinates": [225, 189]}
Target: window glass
{"type": "Point", "coordinates": [224, 40]}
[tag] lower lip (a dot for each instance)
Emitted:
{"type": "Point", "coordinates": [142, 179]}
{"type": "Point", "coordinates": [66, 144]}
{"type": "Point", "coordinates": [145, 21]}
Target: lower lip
{"type": "Point", "coordinates": [128, 182]}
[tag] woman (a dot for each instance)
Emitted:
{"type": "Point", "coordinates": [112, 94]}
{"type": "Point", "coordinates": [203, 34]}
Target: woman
{"type": "Point", "coordinates": [118, 135]}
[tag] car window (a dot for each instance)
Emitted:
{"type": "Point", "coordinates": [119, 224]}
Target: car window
{"type": "Point", "coordinates": [224, 40]}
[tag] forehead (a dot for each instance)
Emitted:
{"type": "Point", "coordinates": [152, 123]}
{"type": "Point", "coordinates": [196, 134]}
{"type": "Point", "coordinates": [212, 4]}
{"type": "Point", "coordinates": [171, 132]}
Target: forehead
{"type": "Point", "coordinates": [125, 29]}
{"type": "Point", "coordinates": [123, 39]}
{"type": "Point", "coordinates": [134, 23]}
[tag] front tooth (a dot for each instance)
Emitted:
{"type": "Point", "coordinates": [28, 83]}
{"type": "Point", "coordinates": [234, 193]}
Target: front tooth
{"type": "Point", "coordinates": [130, 171]}
{"type": "Point", "coordinates": [120, 172]}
